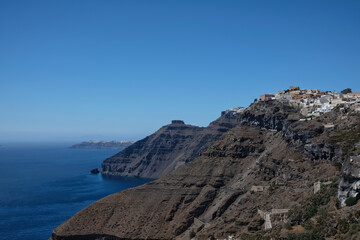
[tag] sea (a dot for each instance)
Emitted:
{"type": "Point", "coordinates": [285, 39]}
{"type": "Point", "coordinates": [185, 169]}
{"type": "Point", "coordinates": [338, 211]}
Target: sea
{"type": "Point", "coordinates": [44, 184]}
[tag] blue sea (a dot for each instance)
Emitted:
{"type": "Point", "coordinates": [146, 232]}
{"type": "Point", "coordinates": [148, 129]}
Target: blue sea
{"type": "Point", "coordinates": [42, 185]}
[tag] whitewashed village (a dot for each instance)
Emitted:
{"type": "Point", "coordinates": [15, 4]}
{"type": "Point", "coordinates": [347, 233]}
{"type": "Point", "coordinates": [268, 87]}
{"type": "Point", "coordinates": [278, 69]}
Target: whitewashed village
{"type": "Point", "coordinates": [313, 103]}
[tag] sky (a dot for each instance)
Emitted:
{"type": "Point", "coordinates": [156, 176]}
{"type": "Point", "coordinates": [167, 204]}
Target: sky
{"type": "Point", "coordinates": [74, 70]}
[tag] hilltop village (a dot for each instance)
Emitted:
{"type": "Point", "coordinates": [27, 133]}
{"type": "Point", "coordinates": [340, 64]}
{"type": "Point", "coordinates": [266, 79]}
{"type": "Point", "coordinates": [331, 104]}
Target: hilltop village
{"type": "Point", "coordinates": [313, 103]}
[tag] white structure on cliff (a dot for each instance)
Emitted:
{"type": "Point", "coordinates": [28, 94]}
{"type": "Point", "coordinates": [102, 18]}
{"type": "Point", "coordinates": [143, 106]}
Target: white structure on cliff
{"type": "Point", "coordinates": [282, 213]}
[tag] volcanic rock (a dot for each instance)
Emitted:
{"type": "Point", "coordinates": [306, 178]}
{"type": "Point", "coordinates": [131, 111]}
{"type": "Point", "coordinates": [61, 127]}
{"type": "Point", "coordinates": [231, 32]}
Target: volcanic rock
{"type": "Point", "coordinates": [168, 148]}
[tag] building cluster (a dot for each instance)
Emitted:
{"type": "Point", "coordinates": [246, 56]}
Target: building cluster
{"type": "Point", "coordinates": [313, 102]}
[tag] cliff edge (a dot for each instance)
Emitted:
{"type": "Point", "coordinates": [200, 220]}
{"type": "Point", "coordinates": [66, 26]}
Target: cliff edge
{"type": "Point", "coordinates": [168, 148]}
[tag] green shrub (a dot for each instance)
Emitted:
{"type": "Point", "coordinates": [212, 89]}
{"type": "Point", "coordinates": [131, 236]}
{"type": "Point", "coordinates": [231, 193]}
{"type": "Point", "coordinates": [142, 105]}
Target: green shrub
{"type": "Point", "coordinates": [301, 169]}
{"type": "Point", "coordinates": [351, 201]}
{"type": "Point", "coordinates": [346, 90]}
{"type": "Point", "coordinates": [308, 225]}
{"type": "Point", "coordinates": [357, 214]}
{"type": "Point", "coordinates": [343, 226]}
{"type": "Point", "coordinates": [288, 226]}
{"type": "Point", "coordinates": [337, 165]}
{"type": "Point", "coordinates": [310, 206]}
{"type": "Point", "coordinates": [272, 187]}
{"type": "Point", "coordinates": [354, 228]}
{"type": "Point", "coordinates": [258, 236]}
{"type": "Point", "coordinates": [346, 140]}
{"type": "Point", "coordinates": [306, 236]}
{"type": "Point", "coordinates": [310, 211]}
{"type": "Point", "coordinates": [192, 234]}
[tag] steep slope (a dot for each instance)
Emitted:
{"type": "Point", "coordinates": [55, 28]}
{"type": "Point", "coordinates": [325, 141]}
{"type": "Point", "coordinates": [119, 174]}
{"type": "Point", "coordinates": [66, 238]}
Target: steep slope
{"type": "Point", "coordinates": [267, 164]}
{"type": "Point", "coordinates": [168, 148]}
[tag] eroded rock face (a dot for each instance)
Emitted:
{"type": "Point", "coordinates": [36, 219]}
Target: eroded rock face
{"type": "Point", "coordinates": [169, 148]}
{"type": "Point", "coordinates": [270, 115]}
{"type": "Point", "coordinates": [318, 150]}
{"type": "Point", "coordinates": [311, 137]}
{"type": "Point", "coordinates": [350, 179]}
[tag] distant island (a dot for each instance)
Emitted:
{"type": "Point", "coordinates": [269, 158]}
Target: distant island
{"type": "Point", "coordinates": [103, 144]}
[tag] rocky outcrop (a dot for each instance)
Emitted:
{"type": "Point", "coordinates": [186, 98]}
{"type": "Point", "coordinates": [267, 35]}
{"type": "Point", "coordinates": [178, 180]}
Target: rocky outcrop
{"type": "Point", "coordinates": [168, 148]}
{"type": "Point", "coordinates": [272, 115]}
{"type": "Point", "coordinates": [350, 179]}
{"type": "Point", "coordinates": [319, 150]}
{"type": "Point", "coordinates": [95, 171]}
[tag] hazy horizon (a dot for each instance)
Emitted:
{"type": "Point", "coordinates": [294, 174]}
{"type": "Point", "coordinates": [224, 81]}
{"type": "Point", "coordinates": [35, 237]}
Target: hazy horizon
{"type": "Point", "coordinates": [70, 139]}
{"type": "Point", "coordinates": [119, 70]}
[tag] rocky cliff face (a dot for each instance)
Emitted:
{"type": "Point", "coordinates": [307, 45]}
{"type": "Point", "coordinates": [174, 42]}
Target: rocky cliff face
{"type": "Point", "coordinates": [320, 139]}
{"type": "Point", "coordinates": [350, 179]}
{"type": "Point", "coordinates": [167, 149]}
{"type": "Point", "coordinates": [269, 161]}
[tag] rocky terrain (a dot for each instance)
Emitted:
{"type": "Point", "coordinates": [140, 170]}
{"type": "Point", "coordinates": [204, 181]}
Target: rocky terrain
{"type": "Point", "coordinates": [270, 171]}
{"type": "Point", "coordinates": [103, 144]}
{"type": "Point", "coordinates": [168, 148]}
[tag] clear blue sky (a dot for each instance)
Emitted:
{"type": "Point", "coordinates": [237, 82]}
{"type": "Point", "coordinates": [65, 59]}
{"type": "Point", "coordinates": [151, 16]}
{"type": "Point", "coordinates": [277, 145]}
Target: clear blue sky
{"type": "Point", "coordinates": [84, 69]}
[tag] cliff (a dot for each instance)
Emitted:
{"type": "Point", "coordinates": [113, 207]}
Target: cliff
{"type": "Point", "coordinates": [271, 171]}
{"type": "Point", "coordinates": [103, 144]}
{"type": "Point", "coordinates": [168, 148]}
